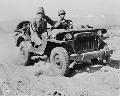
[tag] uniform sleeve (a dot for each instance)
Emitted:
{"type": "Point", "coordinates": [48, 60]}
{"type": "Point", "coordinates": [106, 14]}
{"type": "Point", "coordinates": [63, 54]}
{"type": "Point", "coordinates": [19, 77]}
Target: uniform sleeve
{"type": "Point", "coordinates": [65, 24]}
{"type": "Point", "coordinates": [50, 21]}
{"type": "Point", "coordinates": [34, 25]}
{"type": "Point", "coordinates": [57, 24]}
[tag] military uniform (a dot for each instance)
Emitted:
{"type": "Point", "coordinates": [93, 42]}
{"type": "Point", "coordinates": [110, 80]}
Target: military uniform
{"type": "Point", "coordinates": [63, 23]}
{"type": "Point", "coordinates": [40, 26]}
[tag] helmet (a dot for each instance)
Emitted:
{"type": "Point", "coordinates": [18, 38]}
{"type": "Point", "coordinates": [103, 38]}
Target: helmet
{"type": "Point", "coordinates": [40, 10]}
{"type": "Point", "coordinates": [60, 12]}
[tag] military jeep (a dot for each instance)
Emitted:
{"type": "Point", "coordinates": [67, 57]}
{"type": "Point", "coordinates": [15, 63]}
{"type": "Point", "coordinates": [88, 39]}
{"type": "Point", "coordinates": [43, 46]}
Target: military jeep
{"type": "Point", "coordinates": [65, 48]}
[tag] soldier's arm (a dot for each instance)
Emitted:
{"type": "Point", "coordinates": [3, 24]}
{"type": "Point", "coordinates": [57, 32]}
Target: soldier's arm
{"type": "Point", "coordinates": [50, 21]}
{"type": "Point", "coordinates": [57, 24]}
{"type": "Point", "coordinates": [70, 24]}
{"type": "Point", "coordinates": [34, 26]}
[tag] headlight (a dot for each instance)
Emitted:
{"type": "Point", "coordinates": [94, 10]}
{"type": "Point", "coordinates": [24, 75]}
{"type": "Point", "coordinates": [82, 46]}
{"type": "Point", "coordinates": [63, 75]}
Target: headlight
{"type": "Point", "coordinates": [68, 36]}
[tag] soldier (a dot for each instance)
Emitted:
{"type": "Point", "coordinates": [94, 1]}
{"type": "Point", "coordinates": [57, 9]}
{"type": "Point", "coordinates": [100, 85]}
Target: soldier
{"type": "Point", "coordinates": [62, 23]}
{"type": "Point", "coordinates": [39, 26]}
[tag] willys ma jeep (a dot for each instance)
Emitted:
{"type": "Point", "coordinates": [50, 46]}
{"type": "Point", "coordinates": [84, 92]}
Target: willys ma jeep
{"type": "Point", "coordinates": [64, 48]}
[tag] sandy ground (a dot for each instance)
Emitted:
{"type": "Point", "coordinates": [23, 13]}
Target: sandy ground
{"type": "Point", "coordinates": [17, 80]}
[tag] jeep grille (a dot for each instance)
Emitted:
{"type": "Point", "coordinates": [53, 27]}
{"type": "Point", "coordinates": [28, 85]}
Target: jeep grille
{"type": "Point", "coordinates": [86, 44]}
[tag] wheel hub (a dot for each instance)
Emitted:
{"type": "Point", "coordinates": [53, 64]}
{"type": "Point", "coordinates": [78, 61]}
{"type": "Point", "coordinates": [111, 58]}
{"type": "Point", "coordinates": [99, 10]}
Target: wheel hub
{"type": "Point", "coordinates": [58, 62]}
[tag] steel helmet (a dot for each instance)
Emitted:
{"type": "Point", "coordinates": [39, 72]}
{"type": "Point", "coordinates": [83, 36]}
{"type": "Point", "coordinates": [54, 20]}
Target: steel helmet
{"type": "Point", "coordinates": [61, 11]}
{"type": "Point", "coordinates": [40, 10]}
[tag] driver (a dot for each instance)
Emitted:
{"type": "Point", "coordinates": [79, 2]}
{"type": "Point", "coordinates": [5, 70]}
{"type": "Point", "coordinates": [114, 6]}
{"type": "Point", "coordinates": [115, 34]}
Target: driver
{"type": "Point", "coordinates": [62, 23]}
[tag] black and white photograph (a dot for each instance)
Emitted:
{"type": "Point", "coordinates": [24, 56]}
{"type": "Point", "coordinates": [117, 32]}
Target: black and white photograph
{"type": "Point", "coordinates": [59, 47]}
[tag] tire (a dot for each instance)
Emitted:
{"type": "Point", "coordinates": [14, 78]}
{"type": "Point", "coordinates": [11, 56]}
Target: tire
{"type": "Point", "coordinates": [59, 62]}
{"type": "Point", "coordinates": [106, 59]}
{"type": "Point", "coordinates": [24, 53]}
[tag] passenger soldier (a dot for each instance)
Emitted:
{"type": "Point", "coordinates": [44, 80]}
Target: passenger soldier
{"type": "Point", "coordinates": [39, 26]}
{"type": "Point", "coordinates": [62, 23]}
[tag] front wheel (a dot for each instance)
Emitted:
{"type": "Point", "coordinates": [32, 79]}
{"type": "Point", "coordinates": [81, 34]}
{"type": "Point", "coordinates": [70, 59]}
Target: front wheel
{"type": "Point", "coordinates": [59, 61]}
{"type": "Point", "coordinates": [106, 59]}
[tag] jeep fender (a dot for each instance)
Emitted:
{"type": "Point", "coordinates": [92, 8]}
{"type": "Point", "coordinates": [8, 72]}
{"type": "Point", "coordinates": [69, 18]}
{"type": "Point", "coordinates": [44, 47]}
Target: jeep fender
{"type": "Point", "coordinates": [55, 43]}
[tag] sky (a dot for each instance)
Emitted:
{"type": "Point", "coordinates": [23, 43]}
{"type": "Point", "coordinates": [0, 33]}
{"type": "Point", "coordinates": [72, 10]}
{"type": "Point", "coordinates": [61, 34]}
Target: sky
{"type": "Point", "coordinates": [21, 9]}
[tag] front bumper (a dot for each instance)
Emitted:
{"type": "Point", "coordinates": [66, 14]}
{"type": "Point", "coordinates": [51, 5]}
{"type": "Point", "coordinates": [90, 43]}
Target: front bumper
{"type": "Point", "coordinates": [91, 55]}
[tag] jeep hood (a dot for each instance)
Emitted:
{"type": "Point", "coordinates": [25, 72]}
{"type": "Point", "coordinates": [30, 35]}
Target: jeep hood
{"type": "Point", "coordinates": [59, 31]}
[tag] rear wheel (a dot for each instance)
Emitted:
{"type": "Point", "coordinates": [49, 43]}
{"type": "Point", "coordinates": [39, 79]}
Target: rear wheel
{"type": "Point", "coordinates": [24, 53]}
{"type": "Point", "coordinates": [59, 61]}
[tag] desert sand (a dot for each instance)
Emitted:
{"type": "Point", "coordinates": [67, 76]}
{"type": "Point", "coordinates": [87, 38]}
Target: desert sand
{"type": "Point", "coordinates": [92, 80]}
